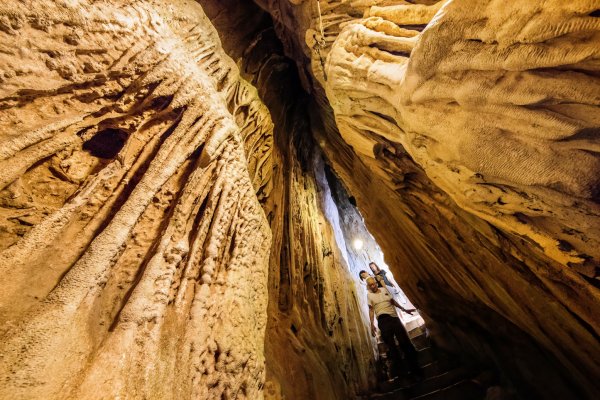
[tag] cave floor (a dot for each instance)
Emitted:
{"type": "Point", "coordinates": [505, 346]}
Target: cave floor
{"type": "Point", "coordinates": [444, 378]}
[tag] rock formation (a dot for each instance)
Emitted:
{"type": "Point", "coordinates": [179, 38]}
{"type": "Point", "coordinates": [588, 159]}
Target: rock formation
{"type": "Point", "coordinates": [489, 120]}
{"type": "Point", "coordinates": [169, 226]}
{"type": "Point", "coordinates": [468, 136]}
{"type": "Point", "coordinates": [134, 245]}
{"type": "Point", "coordinates": [134, 163]}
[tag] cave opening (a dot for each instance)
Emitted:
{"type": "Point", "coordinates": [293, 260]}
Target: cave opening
{"type": "Point", "coordinates": [361, 252]}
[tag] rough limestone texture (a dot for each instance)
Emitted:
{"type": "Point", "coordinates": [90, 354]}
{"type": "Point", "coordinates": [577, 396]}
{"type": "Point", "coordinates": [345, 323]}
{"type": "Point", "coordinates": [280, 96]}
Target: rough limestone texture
{"type": "Point", "coordinates": [506, 122]}
{"type": "Point", "coordinates": [134, 246]}
{"type": "Point", "coordinates": [317, 345]}
{"type": "Point", "coordinates": [161, 236]}
{"type": "Point", "coordinates": [467, 131]}
{"type": "Point", "coordinates": [165, 233]}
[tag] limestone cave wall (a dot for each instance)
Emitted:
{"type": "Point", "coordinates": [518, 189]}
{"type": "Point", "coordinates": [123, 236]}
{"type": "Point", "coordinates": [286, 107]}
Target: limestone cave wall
{"type": "Point", "coordinates": [467, 132]}
{"type": "Point", "coordinates": [168, 226]}
{"type": "Point", "coordinates": [164, 229]}
{"type": "Point", "coordinates": [134, 164]}
{"type": "Point", "coordinates": [317, 344]}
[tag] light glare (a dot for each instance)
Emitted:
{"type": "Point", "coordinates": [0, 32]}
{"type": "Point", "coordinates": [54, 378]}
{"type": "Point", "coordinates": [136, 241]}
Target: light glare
{"type": "Point", "coordinates": [358, 244]}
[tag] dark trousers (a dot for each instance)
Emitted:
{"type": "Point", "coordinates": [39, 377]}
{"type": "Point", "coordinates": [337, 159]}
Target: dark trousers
{"type": "Point", "coordinates": [391, 328]}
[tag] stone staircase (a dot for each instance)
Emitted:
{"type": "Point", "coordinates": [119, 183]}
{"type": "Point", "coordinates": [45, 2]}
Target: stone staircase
{"type": "Point", "coordinates": [443, 378]}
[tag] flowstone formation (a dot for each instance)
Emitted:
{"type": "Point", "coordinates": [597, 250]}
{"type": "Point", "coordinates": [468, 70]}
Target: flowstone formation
{"type": "Point", "coordinates": [167, 225]}
{"type": "Point", "coordinates": [135, 248]}
{"type": "Point", "coordinates": [317, 345]}
{"type": "Point", "coordinates": [467, 131]}
{"type": "Point", "coordinates": [498, 105]}
{"type": "Point", "coordinates": [161, 236]}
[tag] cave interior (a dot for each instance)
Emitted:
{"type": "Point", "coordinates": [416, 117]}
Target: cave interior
{"type": "Point", "coordinates": [190, 189]}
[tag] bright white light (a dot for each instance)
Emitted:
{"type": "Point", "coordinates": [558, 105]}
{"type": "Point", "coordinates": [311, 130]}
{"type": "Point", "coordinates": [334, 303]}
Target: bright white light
{"type": "Point", "coordinates": [357, 244]}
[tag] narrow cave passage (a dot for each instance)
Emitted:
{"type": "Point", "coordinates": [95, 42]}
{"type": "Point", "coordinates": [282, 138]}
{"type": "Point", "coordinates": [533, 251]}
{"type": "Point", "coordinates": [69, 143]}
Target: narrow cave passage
{"type": "Point", "coordinates": [363, 255]}
{"type": "Point", "coordinates": [319, 329]}
{"type": "Point", "coordinates": [190, 188]}
{"type": "Point", "coordinates": [440, 374]}
{"type": "Point", "coordinates": [361, 247]}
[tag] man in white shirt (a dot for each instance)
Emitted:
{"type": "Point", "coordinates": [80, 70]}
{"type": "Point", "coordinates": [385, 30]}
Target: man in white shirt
{"type": "Point", "coordinates": [381, 304]}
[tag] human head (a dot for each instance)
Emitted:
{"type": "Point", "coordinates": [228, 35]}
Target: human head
{"type": "Point", "coordinates": [372, 284]}
{"type": "Point", "coordinates": [374, 267]}
{"type": "Point", "coordinates": [363, 275]}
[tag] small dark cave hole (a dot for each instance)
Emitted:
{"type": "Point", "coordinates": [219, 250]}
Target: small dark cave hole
{"type": "Point", "coordinates": [595, 13]}
{"type": "Point", "coordinates": [563, 245]}
{"type": "Point", "coordinates": [595, 193]}
{"type": "Point", "coordinates": [106, 143]}
{"type": "Point", "coordinates": [414, 27]}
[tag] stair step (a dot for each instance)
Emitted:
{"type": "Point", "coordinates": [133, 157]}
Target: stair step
{"type": "Point", "coordinates": [463, 390]}
{"type": "Point", "coordinates": [434, 369]}
{"type": "Point", "coordinates": [401, 389]}
{"type": "Point", "coordinates": [413, 329]}
{"type": "Point", "coordinates": [420, 341]}
{"type": "Point", "coordinates": [426, 356]}
{"type": "Point", "coordinates": [439, 382]}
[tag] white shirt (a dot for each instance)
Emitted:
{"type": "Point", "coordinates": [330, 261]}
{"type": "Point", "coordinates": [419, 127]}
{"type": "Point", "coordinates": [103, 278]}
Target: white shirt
{"type": "Point", "coordinates": [381, 303]}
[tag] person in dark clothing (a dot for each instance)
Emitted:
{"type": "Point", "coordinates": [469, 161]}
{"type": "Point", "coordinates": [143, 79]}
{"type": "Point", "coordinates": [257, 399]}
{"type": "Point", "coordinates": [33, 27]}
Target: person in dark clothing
{"type": "Point", "coordinates": [380, 274]}
{"type": "Point", "coordinates": [381, 304]}
{"type": "Point", "coordinates": [364, 275]}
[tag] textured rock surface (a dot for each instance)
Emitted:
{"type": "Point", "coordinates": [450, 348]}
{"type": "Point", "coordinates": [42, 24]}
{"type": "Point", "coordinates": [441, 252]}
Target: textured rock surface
{"type": "Point", "coordinates": [133, 161]}
{"type": "Point", "coordinates": [134, 245]}
{"type": "Point", "coordinates": [468, 135]}
{"type": "Point", "coordinates": [505, 122]}
{"type": "Point", "coordinates": [316, 344]}
{"type": "Point", "coordinates": [166, 234]}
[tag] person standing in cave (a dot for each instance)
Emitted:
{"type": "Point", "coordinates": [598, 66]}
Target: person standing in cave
{"type": "Point", "coordinates": [381, 304]}
{"type": "Point", "coordinates": [380, 275]}
{"type": "Point", "coordinates": [383, 281]}
{"type": "Point", "coordinates": [363, 275]}
{"type": "Point", "coordinates": [381, 278]}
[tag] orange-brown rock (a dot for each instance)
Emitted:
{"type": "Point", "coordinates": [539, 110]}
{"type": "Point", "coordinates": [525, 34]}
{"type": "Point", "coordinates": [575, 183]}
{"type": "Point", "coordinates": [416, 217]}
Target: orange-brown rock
{"type": "Point", "coordinates": [466, 132]}
{"type": "Point", "coordinates": [171, 221]}
{"type": "Point", "coordinates": [134, 161]}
